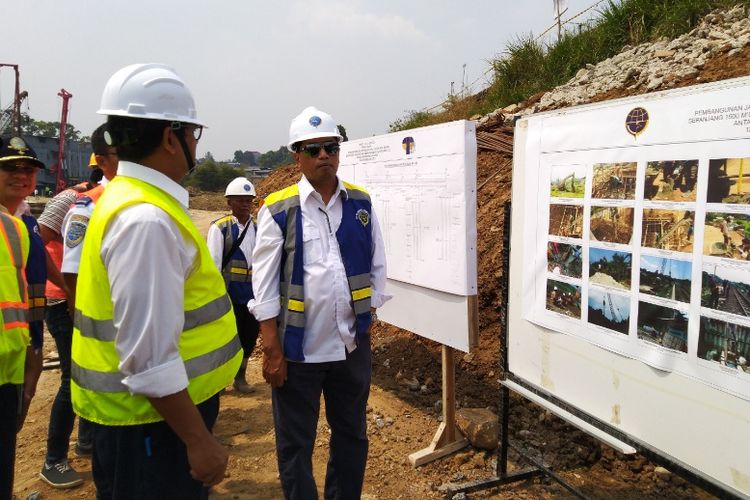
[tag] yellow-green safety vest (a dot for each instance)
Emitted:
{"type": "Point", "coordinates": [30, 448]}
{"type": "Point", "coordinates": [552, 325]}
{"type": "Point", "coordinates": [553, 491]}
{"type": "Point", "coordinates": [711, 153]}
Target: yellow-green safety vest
{"type": "Point", "coordinates": [14, 306]}
{"type": "Point", "coordinates": [208, 345]}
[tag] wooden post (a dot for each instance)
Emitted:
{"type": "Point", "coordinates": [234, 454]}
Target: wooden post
{"type": "Point", "coordinates": [445, 441]}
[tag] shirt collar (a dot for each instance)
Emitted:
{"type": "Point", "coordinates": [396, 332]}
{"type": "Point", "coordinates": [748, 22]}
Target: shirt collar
{"type": "Point", "coordinates": [155, 178]}
{"type": "Point", "coordinates": [306, 189]}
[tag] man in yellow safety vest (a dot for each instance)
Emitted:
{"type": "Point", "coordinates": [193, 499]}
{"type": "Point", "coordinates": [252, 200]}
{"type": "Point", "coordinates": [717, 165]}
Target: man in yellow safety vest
{"type": "Point", "coordinates": [154, 340]}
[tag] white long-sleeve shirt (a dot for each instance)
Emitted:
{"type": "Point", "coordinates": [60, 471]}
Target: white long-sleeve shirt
{"type": "Point", "coordinates": [74, 227]}
{"type": "Point", "coordinates": [329, 318]}
{"type": "Point", "coordinates": [215, 242]}
{"type": "Point", "coordinates": [147, 261]}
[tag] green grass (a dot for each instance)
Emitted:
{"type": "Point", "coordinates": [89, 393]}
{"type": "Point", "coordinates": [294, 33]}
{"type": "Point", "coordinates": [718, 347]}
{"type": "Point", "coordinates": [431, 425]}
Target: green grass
{"type": "Point", "coordinates": [528, 67]}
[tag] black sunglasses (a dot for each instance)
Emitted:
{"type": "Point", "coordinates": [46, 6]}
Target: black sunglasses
{"type": "Point", "coordinates": [12, 168]}
{"type": "Point", "coordinates": [197, 129]}
{"type": "Point", "coordinates": [313, 150]}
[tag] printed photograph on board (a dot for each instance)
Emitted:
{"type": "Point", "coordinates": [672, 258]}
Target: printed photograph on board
{"type": "Point", "coordinates": [566, 220]}
{"type": "Point", "coordinates": [663, 326]}
{"type": "Point", "coordinates": [564, 259]}
{"type": "Point", "coordinates": [729, 181]}
{"type": "Point", "coordinates": [614, 181]}
{"type": "Point", "coordinates": [668, 229]}
{"type": "Point", "coordinates": [725, 343]}
{"type": "Point", "coordinates": [610, 268]}
{"type": "Point", "coordinates": [666, 278]}
{"type": "Point", "coordinates": [609, 309]}
{"type": "Point", "coordinates": [612, 224]}
{"type": "Point", "coordinates": [727, 235]}
{"type": "Point", "coordinates": [567, 181]}
{"type": "Point", "coordinates": [563, 298]}
{"type": "Point", "coordinates": [726, 289]}
{"type": "Point", "coordinates": [674, 180]}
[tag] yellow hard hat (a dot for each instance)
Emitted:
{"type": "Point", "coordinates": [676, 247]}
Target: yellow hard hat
{"type": "Point", "coordinates": [92, 161]}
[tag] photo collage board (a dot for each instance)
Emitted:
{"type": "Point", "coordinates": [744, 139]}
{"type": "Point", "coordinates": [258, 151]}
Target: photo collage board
{"type": "Point", "coordinates": [647, 253]}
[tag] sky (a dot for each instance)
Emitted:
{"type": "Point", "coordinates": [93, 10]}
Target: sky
{"type": "Point", "coordinates": [677, 269]}
{"type": "Point", "coordinates": [253, 65]}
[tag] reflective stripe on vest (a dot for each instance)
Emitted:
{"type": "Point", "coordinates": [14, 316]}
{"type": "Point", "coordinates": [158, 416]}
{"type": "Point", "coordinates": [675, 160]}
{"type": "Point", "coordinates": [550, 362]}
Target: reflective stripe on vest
{"type": "Point", "coordinates": [14, 312]}
{"type": "Point", "coordinates": [354, 244]}
{"type": "Point", "coordinates": [104, 329]}
{"type": "Point", "coordinates": [208, 345]}
{"type": "Point", "coordinates": [112, 381]}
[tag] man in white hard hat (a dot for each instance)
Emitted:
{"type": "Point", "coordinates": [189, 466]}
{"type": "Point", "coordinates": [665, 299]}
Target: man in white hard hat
{"type": "Point", "coordinates": [230, 241]}
{"type": "Point", "coordinates": [319, 270]}
{"type": "Point", "coordinates": [154, 340]}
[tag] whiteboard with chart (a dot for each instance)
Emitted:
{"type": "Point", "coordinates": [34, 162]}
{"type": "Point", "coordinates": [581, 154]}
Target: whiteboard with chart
{"type": "Point", "coordinates": [423, 186]}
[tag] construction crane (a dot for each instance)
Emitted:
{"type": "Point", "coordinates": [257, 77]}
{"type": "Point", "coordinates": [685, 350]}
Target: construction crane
{"type": "Point", "coordinates": [615, 316]}
{"type": "Point", "coordinates": [12, 114]}
{"type": "Point", "coordinates": [60, 183]}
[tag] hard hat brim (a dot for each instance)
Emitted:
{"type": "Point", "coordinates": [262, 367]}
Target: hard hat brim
{"type": "Point", "coordinates": [150, 116]}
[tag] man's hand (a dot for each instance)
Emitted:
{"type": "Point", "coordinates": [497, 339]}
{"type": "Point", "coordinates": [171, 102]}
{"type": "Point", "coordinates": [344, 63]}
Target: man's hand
{"type": "Point", "coordinates": [274, 367]}
{"type": "Point", "coordinates": [208, 461]}
{"type": "Point", "coordinates": [32, 370]}
{"type": "Point", "coordinates": [274, 362]}
{"type": "Point", "coordinates": [207, 458]}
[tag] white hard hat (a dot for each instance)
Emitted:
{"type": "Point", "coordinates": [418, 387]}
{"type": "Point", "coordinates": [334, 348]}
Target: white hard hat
{"type": "Point", "coordinates": [312, 123]}
{"type": "Point", "coordinates": [151, 91]}
{"type": "Point", "coordinates": [240, 187]}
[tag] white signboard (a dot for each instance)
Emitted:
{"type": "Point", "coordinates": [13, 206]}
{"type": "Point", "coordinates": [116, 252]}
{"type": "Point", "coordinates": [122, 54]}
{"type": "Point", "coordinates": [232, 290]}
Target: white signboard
{"type": "Point", "coordinates": [423, 187]}
{"type": "Point", "coordinates": [638, 214]}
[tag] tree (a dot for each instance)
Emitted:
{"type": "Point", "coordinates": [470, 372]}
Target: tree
{"type": "Point", "coordinates": [30, 126]}
{"type": "Point", "coordinates": [273, 159]}
{"type": "Point", "coordinates": [212, 176]}
{"type": "Point", "coordinates": [342, 131]}
{"type": "Point", "coordinates": [245, 157]}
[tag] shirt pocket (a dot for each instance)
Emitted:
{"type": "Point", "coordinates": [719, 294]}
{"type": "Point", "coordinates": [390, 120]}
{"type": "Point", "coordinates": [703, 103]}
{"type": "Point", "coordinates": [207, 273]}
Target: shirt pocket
{"type": "Point", "coordinates": [312, 244]}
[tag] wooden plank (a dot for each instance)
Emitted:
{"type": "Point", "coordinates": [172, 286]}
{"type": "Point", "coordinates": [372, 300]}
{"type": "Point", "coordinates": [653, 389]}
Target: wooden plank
{"type": "Point", "coordinates": [445, 440]}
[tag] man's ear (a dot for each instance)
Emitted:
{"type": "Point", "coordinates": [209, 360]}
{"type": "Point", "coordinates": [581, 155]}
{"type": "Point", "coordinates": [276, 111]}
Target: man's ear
{"type": "Point", "coordinates": [169, 141]}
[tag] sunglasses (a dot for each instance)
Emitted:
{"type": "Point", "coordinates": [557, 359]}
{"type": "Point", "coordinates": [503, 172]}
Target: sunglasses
{"type": "Point", "coordinates": [197, 129]}
{"type": "Point", "coordinates": [313, 150]}
{"type": "Point", "coordinates": [12, 168]}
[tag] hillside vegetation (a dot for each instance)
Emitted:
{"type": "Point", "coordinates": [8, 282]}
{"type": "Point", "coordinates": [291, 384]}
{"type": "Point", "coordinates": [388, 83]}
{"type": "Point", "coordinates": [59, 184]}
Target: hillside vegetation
{"type": "Point", "coordinates": [529, 66]}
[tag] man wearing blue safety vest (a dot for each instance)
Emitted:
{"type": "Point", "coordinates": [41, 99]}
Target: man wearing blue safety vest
{"type": "Point", "coordinates": [154, 340]}
{"type": "Point", "coordinates": [318, 277]}
{"type": "Point", "coordinates": [231, 240]}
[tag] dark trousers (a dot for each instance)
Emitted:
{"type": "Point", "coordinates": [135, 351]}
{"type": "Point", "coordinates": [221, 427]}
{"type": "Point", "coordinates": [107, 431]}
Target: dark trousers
{"type": "Point", "coordinates": [9, 407]}
{"type": "Point", "coordinates": [61, 417]}
{"type": "Point", "coordinates": [148, 461]}
{"type": "Point", "coordinates": [247, 328]}
{"type": "Point", "coordinates": [296, 405]}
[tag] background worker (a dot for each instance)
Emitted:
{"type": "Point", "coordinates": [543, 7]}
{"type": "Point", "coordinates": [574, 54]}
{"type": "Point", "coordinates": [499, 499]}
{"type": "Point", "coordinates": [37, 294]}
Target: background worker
{"type": "Point", "coordinates": [325, 232]}
{"type": "Point", "coordinates": [230, 241]}
{"type": "Point", "coordinates": [56, 470]}
{"type": "Point", "coordinates": [77, 219]}
{"type": "Point", "coordinates": [155, 340]}
{"type": "Point", "coordinates": [22, 277]}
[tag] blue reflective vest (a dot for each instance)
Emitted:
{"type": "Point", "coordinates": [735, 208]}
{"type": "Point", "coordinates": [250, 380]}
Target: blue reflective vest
{"type": "Point", "coordinates": [354, 236]}
{"type": "Point", "coordinates": [238, 272]}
